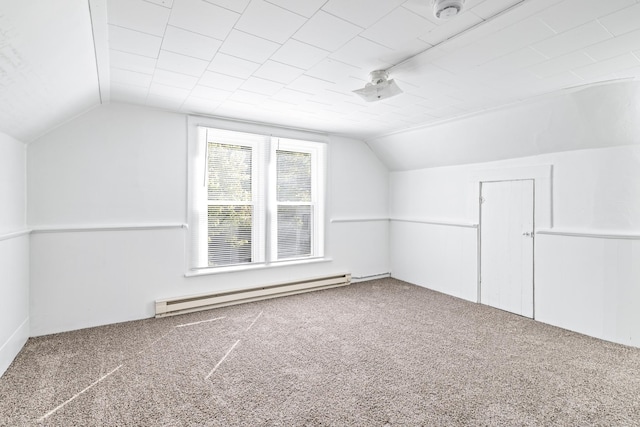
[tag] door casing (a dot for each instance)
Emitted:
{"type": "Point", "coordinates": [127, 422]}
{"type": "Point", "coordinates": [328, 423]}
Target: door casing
{"type": "Point", "coordinates": [527, 245]}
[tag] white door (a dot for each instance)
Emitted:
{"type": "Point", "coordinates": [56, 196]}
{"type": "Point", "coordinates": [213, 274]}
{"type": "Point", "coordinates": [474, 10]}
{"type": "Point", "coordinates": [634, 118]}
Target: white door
{"type": "Point", "coordinates": [506, 245]}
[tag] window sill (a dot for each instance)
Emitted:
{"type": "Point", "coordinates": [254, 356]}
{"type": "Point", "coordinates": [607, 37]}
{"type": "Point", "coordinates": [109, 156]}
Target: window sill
{"type": "Point", "coordinates": [261, 266]}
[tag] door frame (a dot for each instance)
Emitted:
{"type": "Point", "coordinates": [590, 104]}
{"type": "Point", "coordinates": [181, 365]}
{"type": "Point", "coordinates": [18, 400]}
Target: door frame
{"type": "Point", "coordinates": [479, 239]}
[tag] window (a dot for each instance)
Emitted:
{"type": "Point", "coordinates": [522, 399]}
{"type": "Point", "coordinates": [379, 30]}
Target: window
{"type": "Point", "coordinates": [255, 199]}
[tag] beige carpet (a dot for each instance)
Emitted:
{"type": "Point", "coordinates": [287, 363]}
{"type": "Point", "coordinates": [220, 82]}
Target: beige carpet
{"type": "Point", "coordinates": [379, 353]}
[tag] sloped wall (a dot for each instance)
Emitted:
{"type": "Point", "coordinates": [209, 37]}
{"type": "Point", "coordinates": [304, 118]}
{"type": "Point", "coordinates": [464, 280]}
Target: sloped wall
{"type": "Point", "coordinates": [594, 117]}
{"type": "Point", "coordinates": [587, 244]}
{"type": "Point", "coordinates": [14, 251]}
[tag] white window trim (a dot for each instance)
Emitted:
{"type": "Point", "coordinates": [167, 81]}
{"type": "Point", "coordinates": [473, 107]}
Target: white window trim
{"type": "Point", "coordinates": [194, 157]}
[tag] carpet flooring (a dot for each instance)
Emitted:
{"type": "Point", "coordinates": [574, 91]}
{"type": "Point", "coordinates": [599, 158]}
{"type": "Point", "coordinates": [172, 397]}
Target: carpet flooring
{"type": "Point", "coordinates": [378, 353]}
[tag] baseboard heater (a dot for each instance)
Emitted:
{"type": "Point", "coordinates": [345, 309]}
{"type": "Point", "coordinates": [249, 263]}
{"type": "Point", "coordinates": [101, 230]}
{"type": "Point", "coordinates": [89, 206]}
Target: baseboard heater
{"type": "Point", "coordinates": [189, 304]}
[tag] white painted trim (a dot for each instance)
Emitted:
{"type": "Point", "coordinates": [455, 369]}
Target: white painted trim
{"type": "Point", "coordinates": [543, 182]}
{"type": "Point", "coordinates": [255, 266]}
{"type": "Point", "coordinates": [194, 120]}
{"type": "Point", "coordinates": [14, 234]}
{"type": "Point", "coordinates": [340, 220]}
{"type": "Point", "coordinates": [590, 234]}
{"type": "Point", "coordinates": [433, 222]}
{"type": "Point", "coordinates": [124, 227]}
{"type": "Point", "coordinates": [10, 348]}
{"type": "Point", "coordinates": [99, 28]}
{"type": "Point", "coordinates": [512, 173]}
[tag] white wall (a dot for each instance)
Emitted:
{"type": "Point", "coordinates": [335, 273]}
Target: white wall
{"type": "Point", "coordinates": [583, 282]}
{"type": "Point", "coordinates": [125, 165]}
{"type": "Point", "coordinates": [582, 147]}
{"type": "Point", "coordinates": [14, 251]}
{"type": "Point", "coordinates": [359, 206]}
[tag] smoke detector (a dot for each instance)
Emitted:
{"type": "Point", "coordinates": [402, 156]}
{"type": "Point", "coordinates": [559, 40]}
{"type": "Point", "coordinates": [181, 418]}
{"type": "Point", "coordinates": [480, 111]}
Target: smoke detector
{"type": "Point", "coordinates": [447, 9]}
{"type": "Point", "coordinates": [379, 88]}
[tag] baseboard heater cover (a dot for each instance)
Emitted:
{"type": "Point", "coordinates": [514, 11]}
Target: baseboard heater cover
{"type": "Point", "coordinates": [191, 303]}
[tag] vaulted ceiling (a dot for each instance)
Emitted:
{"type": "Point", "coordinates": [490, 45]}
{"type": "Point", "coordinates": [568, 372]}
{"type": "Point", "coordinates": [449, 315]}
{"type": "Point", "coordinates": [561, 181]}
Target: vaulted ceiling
{"type": "Point", "coordinates": [296, 62]}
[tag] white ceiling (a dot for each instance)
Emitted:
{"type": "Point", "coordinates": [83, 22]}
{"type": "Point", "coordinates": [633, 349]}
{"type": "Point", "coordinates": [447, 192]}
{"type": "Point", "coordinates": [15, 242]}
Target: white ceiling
{"type": "Point", "coordinates": [295, 62]}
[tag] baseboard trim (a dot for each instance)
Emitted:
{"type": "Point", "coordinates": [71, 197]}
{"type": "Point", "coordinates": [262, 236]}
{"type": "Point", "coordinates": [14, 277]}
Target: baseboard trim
{"type": "Point", "coordinates": [13, 345]}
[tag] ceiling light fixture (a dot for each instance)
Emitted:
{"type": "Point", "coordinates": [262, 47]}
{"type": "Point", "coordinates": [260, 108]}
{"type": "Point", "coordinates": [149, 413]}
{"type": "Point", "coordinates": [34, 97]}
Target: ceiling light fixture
{"type": "Point", "coordinates": [379, 88]}
{"type": "Point", "coordinates": [447, 9]}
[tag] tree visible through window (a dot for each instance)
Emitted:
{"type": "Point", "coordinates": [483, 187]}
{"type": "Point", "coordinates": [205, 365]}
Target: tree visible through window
{"type": "Point", "coordinates": [230, 207]}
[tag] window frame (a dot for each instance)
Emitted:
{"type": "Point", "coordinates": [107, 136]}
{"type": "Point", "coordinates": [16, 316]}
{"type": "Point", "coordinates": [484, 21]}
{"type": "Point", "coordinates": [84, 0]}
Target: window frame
{"type": "Point", "coordinates": [317, 202]}
{"type": "Point", "coordinates": [195, 168]}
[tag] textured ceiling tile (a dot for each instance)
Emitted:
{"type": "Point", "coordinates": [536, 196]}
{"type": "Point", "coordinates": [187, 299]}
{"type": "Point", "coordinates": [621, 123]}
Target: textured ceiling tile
{"type": "Point", "coordinates": [361, 12]}
{"type": "Point", "coordinates": [235, 5]}
{"type": "Point", "coordinates": [232, 66]}
{"type": "Point", "coordinates": [623, 21]}
{"type": "Point", "coordinates": [169, 78]}
{"type": "Point", "coordinates": [188, 43]}
{"type": "Point", "coordinates": [330, 96]}
{"type": "Point", "coordinates": [615, 47]}
{"type": "Point", "coordinates": [503, 42]}
{"type": "Point", "coordinates": [310, 84]}
{"type": "Point", "coordinates": [220, 81]}
{"type": "Point", "coordinates": [515, 37]}
{"type": "Point", "coordinates": [489, 8]}
{"type": "Point", "coordinates": [333, 70]}
{"type": "Point", "coordinates": [612, 65]}
{"type": "Point", "coordinates": [315, 33]}
{"type": "Point", "coordinates": [291, 96]}
{"type": "Point", "coordinates": [212, 94]}
{"type": "Point", "coordinates": [408, 24]}
{"type": "Point", "coordinates": [170, 92]}
{"type": "Point", "coordinates": [203, 18]}
{"type": "Point", "coordinates": [508, 63]}
{"type": "Point", "coordinates": [299, 54]}
{"type": "Point", "coordinates": [138, 15]}
{"type": "Point", "coordinates": [164, 3]}
{"type": "Point", "coordinates": [305, 8]}
{"type": "Point", "coordinates": [199, 105]}
{"type": "Point", "coordinates": [572, 13]}
{"type": "Point", "coordinates": [268, 21]}
{"type": "Point", "coordinates": [130, 77]}
{"type": "Point", "coordinates": [126, 40]}
{"type": "Point", "coordinates": [278, 72]}
{"type": "Point", "coordinates": [132, 62]}
{"type": "Point", "coordinates": [249, 47]}
{"type": "Point", "coordinates": [572, 40]}
{"type": "Point", "coordinates": [181, 64]}
{"type": "Point", "coordinates": [447, 29]}
{"type": "Point", "coordinates": [561, 64]}
{"type": "Point", "coordinates": [247, 97]}
{"type": "Point", "coordinates": [261, 86]}
{"type": "Point", "coordinates": [364, 53]}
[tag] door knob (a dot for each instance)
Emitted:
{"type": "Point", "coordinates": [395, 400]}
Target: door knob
{"type": "Point", "coordinates": [528, 234]}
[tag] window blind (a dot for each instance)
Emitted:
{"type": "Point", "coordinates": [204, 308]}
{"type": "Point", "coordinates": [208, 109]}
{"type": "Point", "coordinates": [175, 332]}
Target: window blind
{"type": "Point", "coordinates": [294, 204]}
{"type": "Point", "coordinates": [229, 199]}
